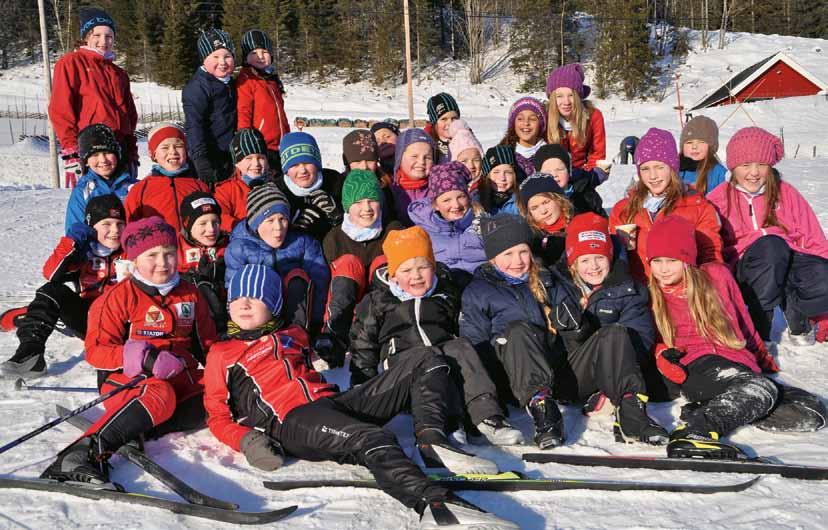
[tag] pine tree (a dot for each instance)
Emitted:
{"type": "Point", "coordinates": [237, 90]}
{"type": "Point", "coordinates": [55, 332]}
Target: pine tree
{"type": "Point", "coordinates": [387, 44]}
{"type": "Point", "coordinates": [534, 41]}
{"type": "Point", "coordinates": [178, 50]}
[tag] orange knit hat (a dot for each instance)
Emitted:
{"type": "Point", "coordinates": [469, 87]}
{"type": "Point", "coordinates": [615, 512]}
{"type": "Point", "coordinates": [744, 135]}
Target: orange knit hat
{"type": "Point", "coordinates": [402, 245]}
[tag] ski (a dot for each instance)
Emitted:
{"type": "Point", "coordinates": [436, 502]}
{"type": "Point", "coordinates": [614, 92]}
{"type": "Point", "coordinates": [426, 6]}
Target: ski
{"type": "Point", "coordinates": [140, 459]}
{"type": "Point", "coordinates": [193, 510]}
{"type": "Point", "coordinates": [514, 481]}
{"type": "Point", "coordinates": [755, 466]}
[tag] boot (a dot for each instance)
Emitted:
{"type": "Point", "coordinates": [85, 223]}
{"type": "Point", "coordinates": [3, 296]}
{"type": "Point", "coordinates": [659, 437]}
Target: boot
{"type": "Point", "coordinates": [632, 424]}
{"type": "Point", "coordinates": [10, 319]}
{"type": "Point", "coordinates": [497, 431]}
{"type": "Point", "coordinates": [686, 442]}
{"type": "Point", "coordinates": [452, 512]}
{"type": "Point", "coordinates": [549, 428]}
{"type": "Point", "coordinates": [800, 332]}
{"type": "Point", "coordinates": [438, 454]}
{"type": "Point", "coordinates": [28, 362]}
{"type": "Point", "coordinates": [79, 462]}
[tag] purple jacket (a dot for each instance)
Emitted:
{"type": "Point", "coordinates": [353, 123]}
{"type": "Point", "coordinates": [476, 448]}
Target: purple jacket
{"type": "Point", "coordinates": [403, 198]}
{"type": "Point", "coordinates": [526, 164]}
{"type": "Point", "coordinates": [455, 243]}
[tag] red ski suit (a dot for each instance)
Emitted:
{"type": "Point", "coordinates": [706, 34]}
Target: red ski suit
{"type": "Point", "coordinates": [260, 106]}
{"type": "Point", "coordinates": [93, 274]}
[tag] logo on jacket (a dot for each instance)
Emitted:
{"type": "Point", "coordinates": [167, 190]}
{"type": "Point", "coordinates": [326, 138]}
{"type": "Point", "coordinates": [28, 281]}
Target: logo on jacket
{"type": "Point", "coordinates": [154, 317]}
{"type": "Point", "coordinates": [185, 312]}
{"type": "Point", "coordinates": [193, 255]}
{"type": "Point", "coordinates": [97, 264]}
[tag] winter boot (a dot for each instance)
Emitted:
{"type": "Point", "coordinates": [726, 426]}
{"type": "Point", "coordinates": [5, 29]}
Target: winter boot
{"type": "Point", "coordinates": [452, 512]}
{"type": "Point", "coordinates": [438, 454]}
{"type": "Point", "coordinates": [799, 332]}
{"type": "Point", "coordinates": [28, 362]}
{"type": "Point", "coordinates": [10, 320]}
{"type": "Point", "coordinates": [549, 428]}
{"type": "Point", "coordinates": [632, 424]}
{"type": "Point", "coordinates": [686, 442]}
{"type": "Point", "coordinates": [594, 404]}
{"type": "Point", "coordinates": [497, 431]}
{"type": "Point", "coordinates": [80, 462]}
{"type": "Point", "coordinates": [820, 324]}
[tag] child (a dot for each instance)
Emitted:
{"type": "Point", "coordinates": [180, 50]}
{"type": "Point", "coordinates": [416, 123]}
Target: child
{"type": "Point", "coordinates": [548, 212]}
{"type": "Point", "coordinates": [660, 192]}
{"type": "Point", "coordinates": [416, 304]}
{"type": "Point", "coordinates": [442, 110]}
{"type": "Point", "coordinates": [105, 174]}
{"type": "Point", "coordinates": [466, 149]}
{"type": "Point", "coordinates": [554, 160]}
{"type": "Point", "coordinates": [386, 135]}
{"type": "Point", "coordinates": [209, 102]}
{"type": "Point", "coordinates": [260, 93]}
{"type": "Point", "coordinates": [526, 131]}
{"type": "Point", "coordinates": [170, 180]}
{"type": "Point", "coordinates": [576, 123]}
{"type": "Point", "coordinates": [85, 256]}
{"type": "Point", "coordinates": [773, 239]}
{"type": "Point", "coordinates": [497, 191]}
{"type": "Point", "coordinates": [249, 153]}
{"type": "Point", "coordinates": [308, 187]}
{"type": "Point", "coordinates": [449, 219]}
{"type": "Point", "coordinates": [699, 164]}
{"type": "Point", "coordinates": [354, 251]}
{"type": "Point", "coordinates": [154, 325]}
{"type": "Point", "coordinates": [710, 348]}
{"type": "Point", "coordinates": [413, 159]}
{"type": "Point", "coordinates": [265, 238]}
{"type": "Point", "coordinates": [360, 151]}
{"type": "Point", "coordinates": [262, 373]}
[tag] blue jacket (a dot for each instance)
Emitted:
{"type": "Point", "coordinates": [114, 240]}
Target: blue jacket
{"type": "Point", "coordinates": [715, 176]}
{"type": "Point", "coordinates": [92, 185]}
{"type": "Point", "coordinates": [210, 120]}
{"type": "Point", "coordinates": [297, 251]}
{"type": "Point", "coordinates": [455, 243]}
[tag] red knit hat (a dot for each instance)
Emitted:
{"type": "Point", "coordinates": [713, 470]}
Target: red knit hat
{"type": "Point", "coordinates": [673, 237]}
{"type": "Point", "coordinates": [144, 234]}
{"type": "Point", "coordinates": [587, 233]}
{"type": "Point", "coordinates": [754, 144]}
{"type": "Point", "coordinates": [161, 132]}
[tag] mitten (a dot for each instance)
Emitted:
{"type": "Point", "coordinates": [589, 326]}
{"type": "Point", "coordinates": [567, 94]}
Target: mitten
{"type": "Point", "coordinates": [165, 365]}
{"type": "Point", "coordinates": [668, 362]}
{"type": "Point", "coordinates": [135, 351]}
{"type": "Point", "coordinates": [261, 451]}
{"type": "Point", "coordinates": [82, 234]}
{"type": "Point", "coordinates": [765, 360]}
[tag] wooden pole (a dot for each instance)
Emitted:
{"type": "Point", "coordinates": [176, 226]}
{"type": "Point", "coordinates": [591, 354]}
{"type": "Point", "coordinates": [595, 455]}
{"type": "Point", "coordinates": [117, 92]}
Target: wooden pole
{"type": "Point", "coordinates": [679, 107]}
{"type": "Point", "coordinates": [408, 64]}
{"type": "Point", "coordinates": [47, 76]}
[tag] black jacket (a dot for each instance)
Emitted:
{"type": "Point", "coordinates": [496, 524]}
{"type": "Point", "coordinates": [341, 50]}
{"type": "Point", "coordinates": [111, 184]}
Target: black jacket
{"type": "Point", "coordinates": [584, 198]}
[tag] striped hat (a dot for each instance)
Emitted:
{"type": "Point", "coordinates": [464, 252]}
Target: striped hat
{"type": "Point", "coordinates": [254, 39]}
{"type": "Point", "coordinates": [299, 147]}
{"type": "Point", "coordinates": [497, 155]}
{"type": "Point", "coordinates": [161, 132]}
{"type": "Point", "coordinates": [263, 201]}
{"type": "Point", "coordinates": [259, 282]}
{"type": "Point", "coordinates": [439, 105]}
{"type": "Point", "coordinates": [247, 141]}
{"type": "Point", "coordinates": [214, 39]}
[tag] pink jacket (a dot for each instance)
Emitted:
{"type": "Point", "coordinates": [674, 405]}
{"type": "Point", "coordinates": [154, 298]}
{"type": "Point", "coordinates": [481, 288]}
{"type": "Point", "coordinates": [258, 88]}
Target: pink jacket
{"type": "Point", "coordinates": [743, 217]}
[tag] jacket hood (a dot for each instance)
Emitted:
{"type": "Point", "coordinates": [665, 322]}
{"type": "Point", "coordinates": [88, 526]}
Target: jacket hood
{"type": "Point", "coordinates": [422, 213]}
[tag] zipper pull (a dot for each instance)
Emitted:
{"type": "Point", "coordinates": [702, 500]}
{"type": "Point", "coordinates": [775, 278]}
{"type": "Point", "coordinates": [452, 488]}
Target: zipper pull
{"type": "Point", "coordinates": [750, 209]}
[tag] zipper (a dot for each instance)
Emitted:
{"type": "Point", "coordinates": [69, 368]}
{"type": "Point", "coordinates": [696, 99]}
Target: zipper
{"type": "Point", "coordinates": [417, 304]}
{"type": "Point", "coordinates": [751, 213]}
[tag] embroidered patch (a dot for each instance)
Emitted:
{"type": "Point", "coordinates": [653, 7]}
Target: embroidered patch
{"type": "Point", "coordinates": [192, 255]}
{"type": "Point", "coordinates": [592, 235]}
{"type": "Point", "coordinates": [154, 317]}
{"type": "Point", "coordinates": [185, 311]}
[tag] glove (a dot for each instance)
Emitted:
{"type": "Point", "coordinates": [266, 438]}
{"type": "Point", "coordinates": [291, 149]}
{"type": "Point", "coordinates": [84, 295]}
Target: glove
{"type": "Point", "coordinates": [330, 349]}
{"type": "Point", "coordinates": [765, 360]}
{"type": "Point", "coordinates": [206, 172]}
{"type": "Point", "coordinates": [261, 451]}
{"type": "Point", "coordinates": [82, 234]}
{"type": "Point", "coordinates": [133, 169]}
{"type": "Point", "coordinates": [72, 169]}
{"type": "Point", "coordinates": [668, 363]}
{"type": "Point", "coordinates": [318, 205]}
{"type": "Point", "coordinates": [142, 357]}
{"type": "Point", "coordinates": [601, 175]}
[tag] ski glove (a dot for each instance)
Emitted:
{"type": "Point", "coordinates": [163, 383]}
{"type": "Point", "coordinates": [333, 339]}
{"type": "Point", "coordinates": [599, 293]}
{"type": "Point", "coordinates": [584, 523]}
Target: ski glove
{"type": "Point", "coordinates": [318, 205]}
{"type": "Point", "coordinates": [330, 349]}
{"type": "Point", "coordinates": [142, 357]}
{"type": "Point", "coordinates": [261, 451]}
{"type": "Point", "coordinates": [82, 234]}
{"type": "Point", "coordinates": [668, 362]}
{"type": "Point", "coordinates": [206, 172]}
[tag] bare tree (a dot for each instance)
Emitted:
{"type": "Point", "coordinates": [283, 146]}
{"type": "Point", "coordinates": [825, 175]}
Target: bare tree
{"type": "Point", "coordinates": [727, 11]}
{"type": "Point", "coordinates": [475, 34]}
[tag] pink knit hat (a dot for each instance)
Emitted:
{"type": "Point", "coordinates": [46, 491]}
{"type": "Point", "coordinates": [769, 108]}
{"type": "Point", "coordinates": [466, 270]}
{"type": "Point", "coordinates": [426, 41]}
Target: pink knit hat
{"type": "Point", "coordinates": [657, 144]}
{"type": "Point", "coordinates": [754, 144]}
{"type": "Point", "coordinates": [144, 234]}
{"type": "Point", "coordinates": [528, 103]}
{"type": "Point", "coordinates": [462, 140]}
{"type": "Point", "coordinates": [569, 76]}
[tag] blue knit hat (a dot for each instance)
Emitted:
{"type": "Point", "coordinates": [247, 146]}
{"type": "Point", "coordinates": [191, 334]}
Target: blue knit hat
{"type": "Point", "coordinates": [406, 138]}
{"type": "Point", "coordinates": [298, 147]}
{"type": "Point", "coordinates": [259, 282]}
{"type": "Point", "coordinates": [538, 183]}
{"type": "Point", "coordinates": [94, 16]}
{"type": "Point", "coordinates": [439, 105]}
{"type": "Point", "coordinates": [214, 39]}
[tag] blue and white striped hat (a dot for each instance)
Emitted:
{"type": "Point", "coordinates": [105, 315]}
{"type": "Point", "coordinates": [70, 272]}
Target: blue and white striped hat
{"type": "Point", "coordinates": [259, 282]}
{"type": "Point", "coordinates": [253, 39]}
{"type": "Point", "coordinates": [214, 39]}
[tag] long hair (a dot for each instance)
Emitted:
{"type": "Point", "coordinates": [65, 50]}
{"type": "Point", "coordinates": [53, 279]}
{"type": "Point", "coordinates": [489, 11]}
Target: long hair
{"type": "Point", "coordinates": [705, 309]}
{"type": "Point", "coordinates": [486, 190]}
{"type": "Point", "coordinates": [539, 292]}
{"type": "Point", "coordinates": [581, 111]}
{"type": "Point", "coordinates": [772, 191]}
{"type": "Point", "coordinates": [562, 202]}
{"type": "Point", "coordinates": [675, 191]}
{"type": "Point", "coordinates": [703, 170]}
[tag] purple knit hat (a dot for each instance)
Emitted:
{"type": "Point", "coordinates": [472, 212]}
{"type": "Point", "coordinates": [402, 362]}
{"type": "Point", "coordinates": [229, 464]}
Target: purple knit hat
{"type": "Point", "coordinates": [406, 138]}
{"type": "Point", "coordinates": [569, 76]}
{"type": "Point", "coordinates": [528, 103]}
{"type": "Point", "coordinates": [754, 144]}
{"type": "Point", "coordinates": [660, 145]}
{"type": "Point", "coordinates": [448, 177]}
{"type": "Point", "coordinates": [144, 234]}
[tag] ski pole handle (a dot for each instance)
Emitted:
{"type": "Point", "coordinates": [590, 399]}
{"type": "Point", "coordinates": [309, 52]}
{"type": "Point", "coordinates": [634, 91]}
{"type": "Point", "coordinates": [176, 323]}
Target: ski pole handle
{"type": "Point", "coordinates": [132, 383]}
{"type": "Point", "coordinates": [20, 384]}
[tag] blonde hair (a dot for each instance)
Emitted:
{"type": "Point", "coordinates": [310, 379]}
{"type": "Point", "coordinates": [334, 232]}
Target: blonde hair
{"type": "Point", "coordinates": [674, 192]}
{"type": "Point", "coordinates": [539, 292]}
{"type": "Point", "coordinates": [562, 202]}
{"type": "Point", "coordinates": [705, 309]}
{"type": "Point", "coordinates": [581, 111]}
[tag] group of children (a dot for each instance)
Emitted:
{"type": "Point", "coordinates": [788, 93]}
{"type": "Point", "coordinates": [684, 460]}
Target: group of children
{"type": "Point", "coordinates": [458, 280]}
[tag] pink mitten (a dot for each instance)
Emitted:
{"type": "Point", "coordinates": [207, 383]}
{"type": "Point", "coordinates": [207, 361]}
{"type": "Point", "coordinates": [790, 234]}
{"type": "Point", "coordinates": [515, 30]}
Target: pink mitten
{"type": "Point", "coordinates": [167, 365]}
{"type": "Point", "coordinates": [135, 351]}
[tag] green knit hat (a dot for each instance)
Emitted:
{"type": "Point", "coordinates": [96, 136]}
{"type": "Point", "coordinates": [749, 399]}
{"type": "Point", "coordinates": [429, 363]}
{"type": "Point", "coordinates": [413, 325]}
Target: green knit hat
{"type": "Point", "coordinates": [360, 184]}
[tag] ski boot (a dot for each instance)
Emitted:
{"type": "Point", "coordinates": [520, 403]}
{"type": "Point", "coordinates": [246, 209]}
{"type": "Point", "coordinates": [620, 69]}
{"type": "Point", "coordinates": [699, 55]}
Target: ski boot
{"type": "Point", "coordinates": [80, 462]}
{"type": "Point", "coordinates": [452, 512]}
{"type": "Point", "coordinates": [439, 454]}
{"type": "Point", "coordinates": [497, 431]}
{"type": "Point", "coordinates": [28, 362]}
{"type": "Point", "coordinates": [632, 424]}
{"type": "Point", "coordinates": [594, 404]}
{"type": "Point", "coordinates": [549, 428]}
{"type": "Point", "coordinates": [691, 443]}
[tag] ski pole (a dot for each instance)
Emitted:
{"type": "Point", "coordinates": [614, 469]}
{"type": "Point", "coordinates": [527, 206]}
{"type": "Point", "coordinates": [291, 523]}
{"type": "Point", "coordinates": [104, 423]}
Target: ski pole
{"type": "Point", "coordinates": [133, 382]}
{"type": "Point", "coordinates": [20, 384]}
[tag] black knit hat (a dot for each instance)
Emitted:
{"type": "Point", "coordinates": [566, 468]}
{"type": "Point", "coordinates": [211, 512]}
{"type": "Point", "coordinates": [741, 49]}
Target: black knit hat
{"type": "Point", "coordinates": [214, 39]}
{"type": "Point", "coordinates": [538, 183]}
{"type": "Point", "coordinates": [102, 207]}
{"type": "Point", "coordinates": [97, 138]}
{"type": "Point", "coordinates": [254, 39]}
{"type": "Point", "coordinates": [502, 232]}
{"type": "Point", "coordinates": [90, 17]}
{"type": "Point", "coordinates": [552, 151]}
{"type": "Point", "coordinates": [247, 142]}
{"type": "Point", "coordinates": [195, 205]}
{"type": "Point", "coordinates": [497, 155]}
{"type": "Point", "coordinates": [439, 105]}
{"type": "Point", "coordinates": [385, 125]}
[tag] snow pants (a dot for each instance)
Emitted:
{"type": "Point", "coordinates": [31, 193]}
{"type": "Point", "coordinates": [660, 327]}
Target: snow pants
{"type": "Point", "coordinates": [350, 279]}
{"type": "Point", "coordinates": [52, 302]}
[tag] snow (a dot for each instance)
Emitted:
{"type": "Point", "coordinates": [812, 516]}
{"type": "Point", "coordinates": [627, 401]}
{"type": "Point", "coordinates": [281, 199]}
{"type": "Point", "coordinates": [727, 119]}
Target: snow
{"type": "Point", "coordinates": [33, 222]}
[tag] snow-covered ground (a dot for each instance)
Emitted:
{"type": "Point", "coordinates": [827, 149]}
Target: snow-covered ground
{"type": "Point", "coordinates": [33, 222]}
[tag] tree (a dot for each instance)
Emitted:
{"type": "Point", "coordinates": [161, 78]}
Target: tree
{"type": "Point", "coordinates": [534, 41]}
{"type": "Point", "coordinates": [178, 50]}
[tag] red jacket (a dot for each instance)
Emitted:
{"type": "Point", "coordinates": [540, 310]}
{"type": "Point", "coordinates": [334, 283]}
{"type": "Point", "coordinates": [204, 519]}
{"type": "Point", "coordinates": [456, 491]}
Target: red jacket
{"type": "Point", "coordinates": [231, 195]}
{"type": "Point", "coordinates": [87, 89]}
{"type": "Point", "coordinates": [595, 146]}
{"type": "Point", "coordinates": [274, 368]}
{"type": "Point", "coordinates": [159, 194]}
{"type": "Point", "coordinates": [179, 322]}
{"type": "Point", "coordinates": [92, 273]}
{"type": "Point", "coordinates": [190, 254]}
{"type": "Point", "coordinates": [260, 106]}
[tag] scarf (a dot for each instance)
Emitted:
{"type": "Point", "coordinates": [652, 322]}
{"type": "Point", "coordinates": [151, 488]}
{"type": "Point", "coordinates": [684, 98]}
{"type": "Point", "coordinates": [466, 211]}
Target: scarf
{"type": "Point", "coordinates": [653, 204]}
{"type": "Point", "coordinates": [557, 226]}
{"type": "Point", "coordinates": [298, 190]}
{"type": "Point", "coordinates": [403, 296]}
{"type": "Point", "coordinates": [109, 56]}
{"type": "Point", "coordinates": [235, 332]}
{"type": "Point", "coordinates": [224, 80]}
{"type": "Point", "coordinates": [570, 189]}
{"type": "Point", "coordinates": [499, 198]}
{"type": "Point", "coordinates": [513, 280]}
{"type": "Point", "coordinates": [565, 125]}
{"type": "Point", "coordinates": [528, 152]}
{"type": "Point", "coordinates": [100, 250]}
{"type": "Point", "coordinates": [158, 169]}
{"type": "Point", "coordinates": [359, 233]}
{"type": "Point", "coordinates": [407, 183]}
{"type": "Point", "coordinates": [163, 288]}
{"type": "Point", "coordinates": [688, 164]}
{"type": "Point", "coordinates": [250, 180]}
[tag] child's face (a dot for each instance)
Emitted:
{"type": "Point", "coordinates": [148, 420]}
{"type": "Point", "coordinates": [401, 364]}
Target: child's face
{"type": "Point", "coordinates": [514, 261]}
{"type": "Point", "coordinates": [367, 165]}
{"type": "Point", "coordinates": [415, 276]}
{"type": "Point", "coordinates": [442, 125]}
{"type": "Point", "coordinates": [364, 213]}
{"type": "Point", "coordinates": [452, 205]}
{"type": "Point", "coordinates": [259, 58]}
{"type": "Point", "coordinates": [157, 264]}
{"type": "Point", "coordinates": [417, 160]}
{"type": "Point", "coordinates": [565, 101]}
{"type": "Point", "coordinates": [205, 229]}
{"type": "Point", "coordinates": [303, 174]}
{"type": "Point", "coordinates": [103, 163]}
{"type": "Point", "coordinates": [472, 160]}
{"type": "Point", "coordinates": [656, 175]}
{"type": "Point", "coordinates": [667, 271]}
{"type": "Point", "coordinates": [220, 63]}
{"type": "Point", "coordinates": [109, 232]}
{"type": "Point", "coordinates": [592, 268]}
{"type": "Point", "coordinates": [101, 38]}
{"type": "Point", "coordinates": [254, 165]}
{"type": "Point", "coordinates": [543, 210]}
{"type": "Point", "coordinates": [751, 176]}
{"type": "Point", "coordinates": [274, 230]}
{"type": "Point", "coordinates": [249, 313]}
{"type": "Point", "coordinates": [385, 136]}
{"type": "Point", "coordinates": [171, 154]}
{"type": "Point", "coordinates": [503, 177]}
{"type": "Point", "coordinates": [558, 170]}
{"type": "Point", "coordinates": [527, 127]}
{"type": "Point", "coordinates": [695, 150]}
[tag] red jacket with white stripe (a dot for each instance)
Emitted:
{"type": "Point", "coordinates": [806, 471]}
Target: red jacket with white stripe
{"type": "Point", "coordinates": [260, 106]}
{"type": "Point", "coordinates": [261, 380]}
{"type": "Point", "coordinates": [91, 273]}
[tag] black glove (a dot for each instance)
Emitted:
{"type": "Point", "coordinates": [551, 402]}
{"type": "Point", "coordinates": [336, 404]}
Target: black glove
{"type": "Point", "coordinates": [359, 376]}
{"type": "Point", "coordinates": [330, 349]}
{"type": "Point", "coordinates": [262, 452]}
{"type": "Point", "coordinates": [205, 170]}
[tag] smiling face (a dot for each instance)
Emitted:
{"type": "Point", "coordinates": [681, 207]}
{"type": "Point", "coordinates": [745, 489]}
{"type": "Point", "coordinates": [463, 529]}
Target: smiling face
{"type": "Point", "coordinates": [695, 150]}
{"type": "Point", "coordinates": [452, 205]}
{"type": "Point", "coordinates": [364, 213]}
{"type": "Point", "coordinates": [259, 58]}
{"type": "Point", "coordinates": [171, 154]}
{"type": "Point", "coordinates": [274, 230]}
{"type": "Point", "coordinates": [442, 125]}
{"type": "Point", "coordinates": [527, 128]}
{"type": "Point", "coordinates": [751, 176]}
{"type": "Point", "coordinates": [565, 101]}
{"type": "Point", "coordinates": [417, 160]}
{"type": "Point", "coordinates": [109, 232]}
{"type": "Point", "coordinates": [514, 261]}
{"type": "Point", "coordinates": [503, 177]}
{"type": "Point", "coordinates": [249, 313]}
{"type": "Point", "coordinates": [205, 229]}
{"type": "Point", "coordinates": [385, 136]}
{"type": "Point", "coordinates": [415, 276]}
{"type": "Point", "coordinates": [667, 271]}
{"type": "Point", "coordinates": [157, 264]}
{"type": "Point", "coordinates": [558, 170]}
{"type": "Point", "coordinates": [543, 209]}
{"type": "Point", "coordinates": [473, 161]}
{"type": "Point", "coordinates": [220, 63]}
{"type": "Point", "coordinates": [101, 38]}
{"type": "Point", "coordinates": [592, 268]}
{"type": "Point", "coordinates": [303, 174]}
{"type": "Point", "coordinates": [103, 163]}
{"type": "Point", "coordinates": [656, 175]}
{"type": "Point", "coordinates": [254, 165]}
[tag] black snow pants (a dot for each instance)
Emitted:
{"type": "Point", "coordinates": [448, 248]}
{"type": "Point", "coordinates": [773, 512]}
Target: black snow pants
{"type": "Point", "coordinates": [52, 301]}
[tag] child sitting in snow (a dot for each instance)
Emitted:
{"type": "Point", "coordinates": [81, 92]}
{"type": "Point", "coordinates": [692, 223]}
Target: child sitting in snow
{"type": "Point", "coordinates": [413, 159]}
{"type": "Point", "coordinates": [554, 160]}
{"type": "Point", "coordinates": [360, 152]}
{"type": "Point", "coordinates": [526, 132]}
{"type": "Point", "coordinates": [699, 166]}
{"type": "Point", "coordinates": [442, 111]}
{"type": "Point", "coordinates": [547, 211]}
{"type": "Point", "coordinates": [249, 153]}
{"type": "Point", "coordinates": [497, 190]}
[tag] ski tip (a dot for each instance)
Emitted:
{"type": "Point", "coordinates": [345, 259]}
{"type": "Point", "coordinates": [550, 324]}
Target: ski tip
{"type": "Point", "coordinates": [19, 384]}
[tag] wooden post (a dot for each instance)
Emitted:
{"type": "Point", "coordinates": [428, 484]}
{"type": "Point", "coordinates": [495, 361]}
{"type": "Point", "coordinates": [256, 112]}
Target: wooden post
{"type": "Point", "coordinates": [47, 71]}
{"type": "Point", "coordinates": [679, 107]}
{"type": "Point", "coordinates": [408, 64]}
